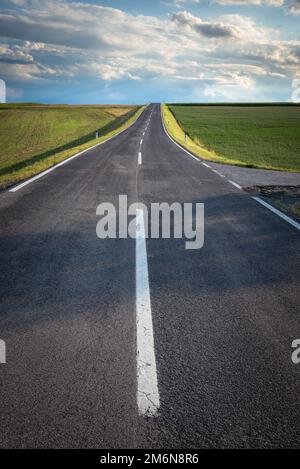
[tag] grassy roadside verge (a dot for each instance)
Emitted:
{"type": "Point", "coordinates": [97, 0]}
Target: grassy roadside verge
{"type": "Point", "coordinates": [14, 168]}
{"type": "Point", "coordinates": [177, 133]}
{"type": "Point", "coordinates": [264, 137]}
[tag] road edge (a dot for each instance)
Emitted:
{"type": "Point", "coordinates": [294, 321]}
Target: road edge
{"type": "Point", "coordinates": [16, 186]}
{"type": "Point", "coordinates": [259, 200]}
{"type": "Point", "coordinates": [188, 143]}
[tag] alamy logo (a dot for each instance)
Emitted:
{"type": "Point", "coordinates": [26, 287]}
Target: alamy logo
{"type": "Point", "coordinates": [161, 221]}
{"type": "Point", "coordinates": [2, 352]}
{"type": "Point", "coordinates": [2, 92]}
{"type": "Point", "coordinates": [295, 98]}
{"type": "Point", "coordinates": [296, 353]}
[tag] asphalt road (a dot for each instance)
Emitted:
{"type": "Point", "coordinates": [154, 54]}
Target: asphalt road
{"type": "Point", "coordinates": [224, 316]}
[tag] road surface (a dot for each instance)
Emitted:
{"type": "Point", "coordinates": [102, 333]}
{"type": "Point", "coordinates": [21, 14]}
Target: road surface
{"type": "Point", "coordinates": [223, 317]}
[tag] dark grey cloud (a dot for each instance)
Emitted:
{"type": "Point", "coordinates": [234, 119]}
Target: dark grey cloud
{"type": "Point", "coordinates": [295, 7]}
{"type": "Point", "coordinates": [206, 28]}
{"type": "Point", "coordinates": [19, 27]}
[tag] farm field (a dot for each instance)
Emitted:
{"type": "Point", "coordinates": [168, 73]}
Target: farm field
{"type": "Point", "coordinates": [260, 136]}
{"type": "Point", "coordinates": [35, 137]}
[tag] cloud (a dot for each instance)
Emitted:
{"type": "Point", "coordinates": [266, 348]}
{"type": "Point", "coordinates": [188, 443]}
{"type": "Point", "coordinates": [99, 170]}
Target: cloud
{"type": "Point", "coordinates": [14, 54]}
{"type": "Point", "coordinates": [25, 72]}
{"type": "Point", "coordinates": [275, 3]}
{"type": "Point", "coordinates": [37, 27]}
{"type": "Point", "coordinates": [114, 70]}
{"type": "Point", "coordinates": [18, 2]}
{"type": "Point", "coordinates": [238, 68]}
{"type": "Point", "coordinates": [249, 30]}
{"type": "Point", "coordinates": [206, 28]}
{"type": "Point", "coordinates": [231, 27]}
{"type": "Point", "coordinates": [70, 42]}
{"type": "Point", "coordinates": [290, 6]}
{"type": "Point", "coordinates": [181, 3]}
{"type": "Point", "coordinates": [294, 7]}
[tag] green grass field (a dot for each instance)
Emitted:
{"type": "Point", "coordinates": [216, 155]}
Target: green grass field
{"type": "Point", "coordinates": [260, 136]}
{"type": "Point", "coordinates": [35, 137]}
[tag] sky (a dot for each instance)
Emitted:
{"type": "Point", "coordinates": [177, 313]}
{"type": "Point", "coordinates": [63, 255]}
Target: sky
{"type": "Point", "coordinates": [139, 51]}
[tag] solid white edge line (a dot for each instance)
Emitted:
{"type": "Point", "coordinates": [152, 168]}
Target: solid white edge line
{"type": "Point", "coordinates": [49, 170]}
{"type": "Point", "coordinates": [140, 158]}
{"type": "Point", "coordinates": [193, 156]}
{"type": "Point", "coordinates": [147, 386]}
{"type": "Point", "coordinates": [278, 212]}
{"type": "Point", "coordinates": [235, 184]}
{"type": "Point", "coordinates": [177, 144]}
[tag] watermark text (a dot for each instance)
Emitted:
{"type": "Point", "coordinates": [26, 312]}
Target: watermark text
{"type": "Point", "coordinates": [162, 220]}
{"type": "Point", "coordinates": [2, 351]}
{"type": "Point", "coordinates": [296, 352]}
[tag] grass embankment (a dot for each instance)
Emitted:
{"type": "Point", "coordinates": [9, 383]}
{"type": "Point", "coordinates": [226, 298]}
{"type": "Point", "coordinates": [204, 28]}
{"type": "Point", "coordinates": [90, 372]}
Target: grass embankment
{"type": "Point", "coordinates": [257, 136]}
{"type": "Point", "coordinates": [36, 137]}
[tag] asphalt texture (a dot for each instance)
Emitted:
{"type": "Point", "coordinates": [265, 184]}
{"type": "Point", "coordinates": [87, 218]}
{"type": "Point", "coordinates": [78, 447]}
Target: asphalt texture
{"type": "Point", "coordinates": [248, 177]}
{"type": "Point", "coordinates": [224, 316]}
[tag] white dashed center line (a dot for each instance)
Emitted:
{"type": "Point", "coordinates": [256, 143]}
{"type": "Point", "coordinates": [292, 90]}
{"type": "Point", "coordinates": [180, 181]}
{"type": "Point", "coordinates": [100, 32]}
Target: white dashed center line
{"type": "Point", "coordinates": [235, 184]}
